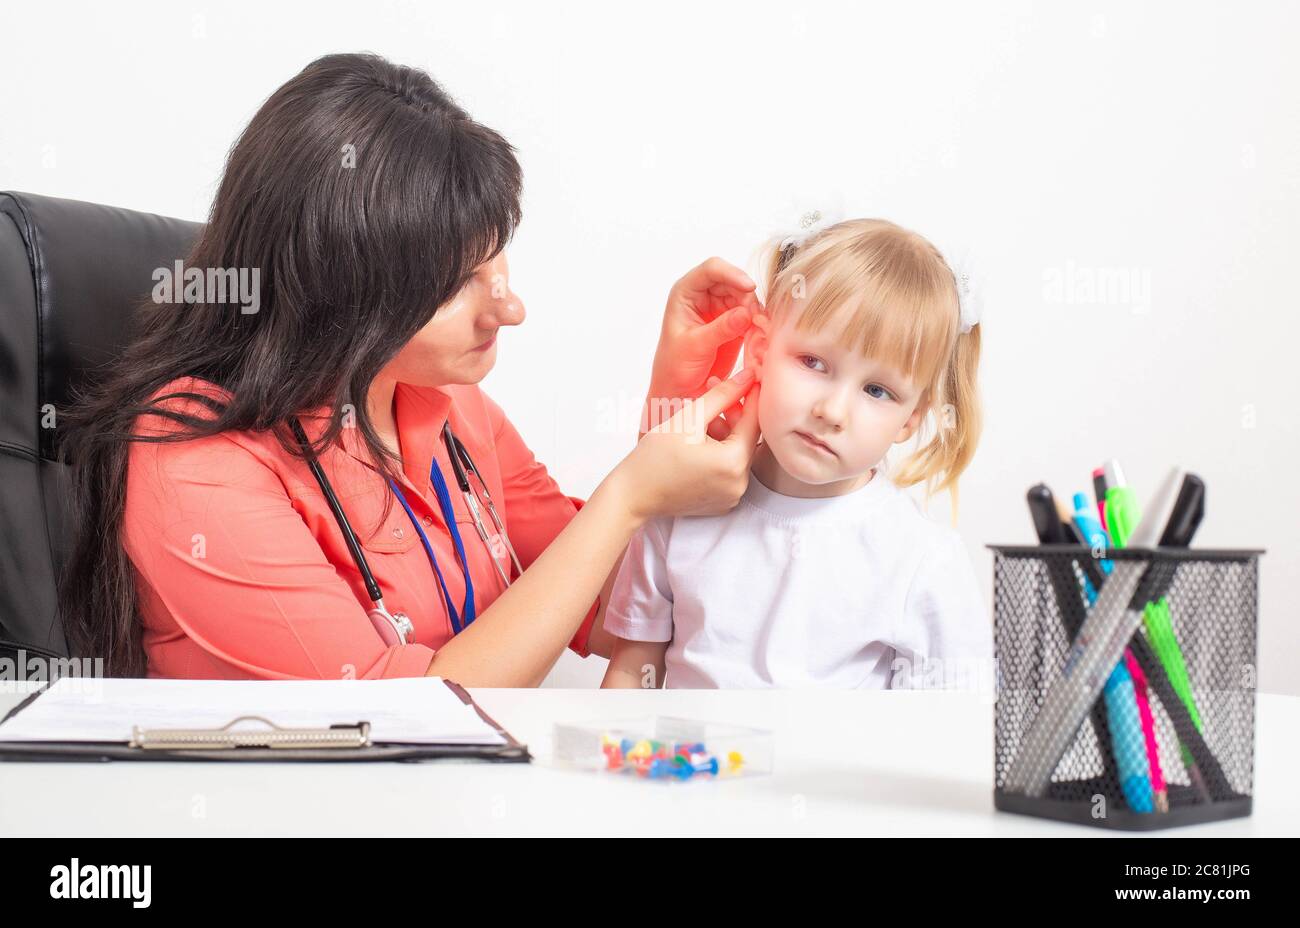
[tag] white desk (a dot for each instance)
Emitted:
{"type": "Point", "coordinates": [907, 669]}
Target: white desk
{"type": "Point", "coordinates": [847, 763]}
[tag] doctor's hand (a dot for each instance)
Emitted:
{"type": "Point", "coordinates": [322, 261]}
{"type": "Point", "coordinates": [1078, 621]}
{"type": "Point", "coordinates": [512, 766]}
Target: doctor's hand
{"type": "Point", "coordinates": [708, 313]}
{"type": "Point", "coordinates": [678, 469]}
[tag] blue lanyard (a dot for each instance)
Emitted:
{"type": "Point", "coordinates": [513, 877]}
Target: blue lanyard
{"type": "Point", "coordinates": [449, 515]}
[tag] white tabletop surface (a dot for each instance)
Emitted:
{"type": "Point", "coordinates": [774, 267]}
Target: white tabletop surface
{"type": "Point", "coordinates": [846, 763]}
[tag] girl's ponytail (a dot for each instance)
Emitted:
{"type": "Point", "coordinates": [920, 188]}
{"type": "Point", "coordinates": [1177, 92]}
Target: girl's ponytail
{"type": "Point", "coordinates": [957, 417]}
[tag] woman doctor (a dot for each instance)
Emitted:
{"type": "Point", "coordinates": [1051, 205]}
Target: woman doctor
{"type": "Point", "coordinates": [225, 456]}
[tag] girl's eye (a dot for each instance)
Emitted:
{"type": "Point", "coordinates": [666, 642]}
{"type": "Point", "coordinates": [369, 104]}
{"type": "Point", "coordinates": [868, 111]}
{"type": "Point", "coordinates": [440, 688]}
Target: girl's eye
{"type": "Point", "coordinates": [805, 358]}
{"type": "Point", "coordinates": [875, 386]}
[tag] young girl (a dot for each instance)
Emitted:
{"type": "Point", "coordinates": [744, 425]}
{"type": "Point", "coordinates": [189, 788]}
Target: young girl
{"type": "Point", "coordinates": [826, 573]}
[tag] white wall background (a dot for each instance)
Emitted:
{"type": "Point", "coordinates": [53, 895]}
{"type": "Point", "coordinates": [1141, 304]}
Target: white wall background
{"type": "Point", "coordinates": [1154, 139]}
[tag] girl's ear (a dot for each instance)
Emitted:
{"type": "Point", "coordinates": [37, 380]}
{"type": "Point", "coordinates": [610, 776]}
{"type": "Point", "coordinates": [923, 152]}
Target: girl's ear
{"type": "Point", "coordinates": [756, 341]}
{"type": "Point", "coordinates": [913, 421]}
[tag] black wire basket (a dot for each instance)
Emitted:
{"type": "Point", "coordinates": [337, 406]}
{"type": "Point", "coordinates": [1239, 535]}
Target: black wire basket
{"type": "Point", "coordinates": [1125, 684]}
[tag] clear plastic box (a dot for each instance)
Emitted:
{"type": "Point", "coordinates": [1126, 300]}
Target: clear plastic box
{"type": "Point", "coordinates": [665, 748]}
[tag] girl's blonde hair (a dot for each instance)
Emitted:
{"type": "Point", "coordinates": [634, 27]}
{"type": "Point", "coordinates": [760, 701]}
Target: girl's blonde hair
{"type": "Point", "coordinates": [904, 312]}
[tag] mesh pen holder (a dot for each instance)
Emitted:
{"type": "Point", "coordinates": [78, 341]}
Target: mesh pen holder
{"type": "Point", "coordinates": [1126, 687]}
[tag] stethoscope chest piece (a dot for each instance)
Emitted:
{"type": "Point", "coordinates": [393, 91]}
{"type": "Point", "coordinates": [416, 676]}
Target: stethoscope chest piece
{"type": "Point", "coordinates": [393, 627]}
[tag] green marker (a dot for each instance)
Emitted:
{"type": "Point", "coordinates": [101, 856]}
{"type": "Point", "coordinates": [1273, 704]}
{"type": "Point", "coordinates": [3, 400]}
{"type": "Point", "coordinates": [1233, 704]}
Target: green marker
{"type": "Point", "coordinates": [1122, 517]}
{"type": "Point", "coordinates": [1122, 511]}
{"type": "Point", "coordinates": [1160, 630]}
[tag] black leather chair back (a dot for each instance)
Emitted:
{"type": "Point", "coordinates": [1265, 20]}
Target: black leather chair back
{"type": "Point", "coordinates": [71, 274]}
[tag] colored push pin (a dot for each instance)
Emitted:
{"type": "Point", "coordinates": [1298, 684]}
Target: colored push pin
{"type": "Point", "coordinates": [700, 763]}
{"type": "Point", "coordinates": [709, 766]}
{"type": "Point", "coordinates": [613, 756]}
{"type": "Point", "coordinates": [661, 767]}
{"type": "Point", "coordinates": [735, 762]}
{"type": "Point", "coordinates": [639, 757]}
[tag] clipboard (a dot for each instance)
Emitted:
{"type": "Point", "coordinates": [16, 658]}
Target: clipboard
{"type": "Point", "coordinates": [270, 744]}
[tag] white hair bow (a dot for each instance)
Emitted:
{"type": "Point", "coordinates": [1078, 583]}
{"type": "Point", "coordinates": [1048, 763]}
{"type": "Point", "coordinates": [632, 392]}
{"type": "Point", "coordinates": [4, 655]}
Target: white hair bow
{"type": "Point", "coordinates": [805, 216]}
{"type": "Point", "coordinates": [970, 290]}
{"type": "Point", "coordinates": [811, 224]}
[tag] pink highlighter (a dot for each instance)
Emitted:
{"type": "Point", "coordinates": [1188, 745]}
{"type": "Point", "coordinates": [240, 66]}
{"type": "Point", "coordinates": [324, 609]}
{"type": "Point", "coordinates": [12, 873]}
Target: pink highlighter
{"type": "Point", "coordinates": [1158, 790]}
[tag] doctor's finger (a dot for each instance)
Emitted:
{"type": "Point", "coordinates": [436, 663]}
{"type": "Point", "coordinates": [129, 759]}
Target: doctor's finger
{"type": "Point", "coordinates": [717, 281]}
{"type": "Point", "coordinates": [744, 431]}
{"type": "Point", "coordinates": [722, 396]}
{"type": "Point", "coordinates": [721, 427]}
{"type": "Point", "coordinates": [728, 327]}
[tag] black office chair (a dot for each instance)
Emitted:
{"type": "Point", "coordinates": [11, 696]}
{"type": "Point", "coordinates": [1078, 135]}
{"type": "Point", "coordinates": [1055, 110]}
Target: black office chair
{"type": "Point", "coordinates": [70, 274]}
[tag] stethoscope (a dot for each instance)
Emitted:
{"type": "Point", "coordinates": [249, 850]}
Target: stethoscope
{"type": "Point", "coordinates": [396, 627]}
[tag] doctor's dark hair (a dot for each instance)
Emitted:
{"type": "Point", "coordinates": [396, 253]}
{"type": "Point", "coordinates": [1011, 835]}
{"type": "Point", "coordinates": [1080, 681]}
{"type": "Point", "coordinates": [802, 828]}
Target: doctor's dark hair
{"type": "Point", "coordinates": [365, 197]}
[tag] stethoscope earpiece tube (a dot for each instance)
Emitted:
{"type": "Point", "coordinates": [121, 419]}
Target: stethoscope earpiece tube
{"type": "Point", "coordinates": [459, 457]}
{"type": "Point", "coordinates": [393, 627]}
{"type": "Point", "coordinates": [372, 588]}
{"type": "Point", "coordinates": [457, 452]}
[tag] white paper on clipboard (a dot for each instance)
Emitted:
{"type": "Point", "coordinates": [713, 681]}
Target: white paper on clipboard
{"type": "Point", "coordinates": [416, 710]}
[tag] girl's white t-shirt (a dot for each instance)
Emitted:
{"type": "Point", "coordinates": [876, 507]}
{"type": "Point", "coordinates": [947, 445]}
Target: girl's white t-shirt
{"type": "Point", "coordinates": [859, 590]}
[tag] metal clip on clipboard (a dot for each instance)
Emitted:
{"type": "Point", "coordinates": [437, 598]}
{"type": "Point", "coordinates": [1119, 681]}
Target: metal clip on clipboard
{"type": "Point", "coordinates": [226, 737]}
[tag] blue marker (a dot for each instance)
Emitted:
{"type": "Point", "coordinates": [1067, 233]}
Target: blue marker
{"type": "Point", "coordinates": [1091, 528]}
{"type": "Point", "coordinates": [1129, 742]}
